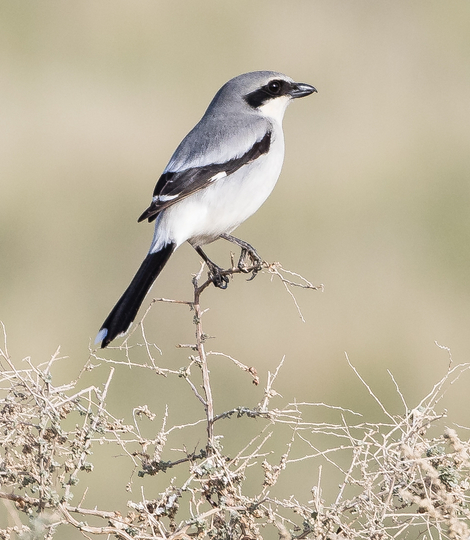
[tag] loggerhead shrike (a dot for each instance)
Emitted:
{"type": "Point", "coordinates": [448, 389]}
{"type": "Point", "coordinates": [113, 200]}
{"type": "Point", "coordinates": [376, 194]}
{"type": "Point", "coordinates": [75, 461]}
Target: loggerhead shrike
{"type": "Point", "coordinates": [219, 175]}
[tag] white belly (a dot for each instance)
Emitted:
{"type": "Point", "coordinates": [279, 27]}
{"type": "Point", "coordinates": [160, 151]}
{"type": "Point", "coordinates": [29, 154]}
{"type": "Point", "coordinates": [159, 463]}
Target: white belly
{"type": "Point", "coordinates": [221, 207]}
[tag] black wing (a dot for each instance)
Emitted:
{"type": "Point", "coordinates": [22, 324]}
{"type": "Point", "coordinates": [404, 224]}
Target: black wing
{"type": "Point", "coordinates": [175, 186]}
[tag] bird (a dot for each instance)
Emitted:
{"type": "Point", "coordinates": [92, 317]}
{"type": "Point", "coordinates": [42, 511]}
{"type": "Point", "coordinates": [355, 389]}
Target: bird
{"type": "Point", "coordinates": [218, 176]}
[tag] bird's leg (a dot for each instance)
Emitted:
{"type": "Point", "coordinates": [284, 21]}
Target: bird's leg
{"type": "Point", "coordinates": [246, 250]}
{"type": "Point", "coordinates": [215, 272]}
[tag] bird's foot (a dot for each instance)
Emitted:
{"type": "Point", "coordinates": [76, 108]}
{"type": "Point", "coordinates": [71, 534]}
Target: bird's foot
{"type": "Point", "coordinates": [254, 265]}
{"type": "Point", "coordinates": [247, 250]}
{"type": "Point", "coordinates": [216, 275]}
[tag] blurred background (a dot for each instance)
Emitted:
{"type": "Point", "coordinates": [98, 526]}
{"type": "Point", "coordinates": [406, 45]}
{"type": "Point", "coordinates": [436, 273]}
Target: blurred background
{"type": "Point", "coordinates": [373, 201]}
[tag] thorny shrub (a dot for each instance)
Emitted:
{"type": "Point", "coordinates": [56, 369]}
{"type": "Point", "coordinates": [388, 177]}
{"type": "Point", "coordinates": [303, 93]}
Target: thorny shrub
{"type": "Point", "coordinates": [401, 482]}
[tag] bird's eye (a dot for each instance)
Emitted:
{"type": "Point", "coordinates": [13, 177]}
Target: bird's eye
{"type": "Point", "coordinates": [274, 87]}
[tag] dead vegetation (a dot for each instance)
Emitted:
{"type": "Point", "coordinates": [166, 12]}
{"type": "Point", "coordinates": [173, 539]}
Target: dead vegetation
{"type": "Point", "coordinates": [400, 482]}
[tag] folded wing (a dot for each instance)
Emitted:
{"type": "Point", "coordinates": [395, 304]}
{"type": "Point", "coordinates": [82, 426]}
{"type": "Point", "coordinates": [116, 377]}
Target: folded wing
{"type": "Point", "coordinates": [173, 186]}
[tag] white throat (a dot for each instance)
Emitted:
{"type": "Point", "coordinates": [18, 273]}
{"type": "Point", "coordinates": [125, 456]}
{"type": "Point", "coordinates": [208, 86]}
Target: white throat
{"type": "Point", "coordinates": [275, 108]}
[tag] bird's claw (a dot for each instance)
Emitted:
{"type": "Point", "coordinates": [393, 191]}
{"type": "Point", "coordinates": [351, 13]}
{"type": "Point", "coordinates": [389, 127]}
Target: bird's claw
{"type": "Point", "coordinates": [254, 273]}
{"type": "Point", "coordinates": [256, 263]}
{"type": "Point", "coordinates": [218, 279]}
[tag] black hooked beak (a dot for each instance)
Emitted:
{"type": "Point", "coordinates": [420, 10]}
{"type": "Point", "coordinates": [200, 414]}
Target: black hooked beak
{"type": "Point", "coordinates": [301, 89]}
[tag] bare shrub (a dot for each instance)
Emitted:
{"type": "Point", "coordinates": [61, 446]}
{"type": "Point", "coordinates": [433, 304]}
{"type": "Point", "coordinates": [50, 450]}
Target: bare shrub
{"type": "Point", "coordinates": [400, 481]}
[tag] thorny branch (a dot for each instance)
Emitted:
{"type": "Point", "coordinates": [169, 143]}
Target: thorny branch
{"type": "Point", "coordinates": [274, 269]}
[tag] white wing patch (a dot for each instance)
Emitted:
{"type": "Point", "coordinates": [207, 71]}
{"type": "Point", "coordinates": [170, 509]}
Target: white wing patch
{"type": "Point", "coordinates": [164, 198]}
{"type": "Point", "coordinates": [218, 176]}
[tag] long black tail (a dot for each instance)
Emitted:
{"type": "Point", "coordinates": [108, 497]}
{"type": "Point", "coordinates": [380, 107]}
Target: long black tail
{"type": "Point", "coordinates": [123, 314]}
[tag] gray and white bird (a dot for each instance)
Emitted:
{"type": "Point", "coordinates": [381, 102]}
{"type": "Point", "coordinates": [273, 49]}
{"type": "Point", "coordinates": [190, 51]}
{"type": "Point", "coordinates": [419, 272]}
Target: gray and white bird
{"type": "Point", "coordinates": [219, 175]}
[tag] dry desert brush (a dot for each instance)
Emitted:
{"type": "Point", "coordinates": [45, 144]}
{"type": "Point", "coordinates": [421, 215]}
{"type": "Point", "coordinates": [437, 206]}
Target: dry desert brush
{"type": "Point", "coordinates": [405, 477]}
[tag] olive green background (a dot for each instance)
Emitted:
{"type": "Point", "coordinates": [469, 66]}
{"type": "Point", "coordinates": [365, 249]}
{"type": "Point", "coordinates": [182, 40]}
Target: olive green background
{"type": "Point", "coordinates": [373, 201]}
